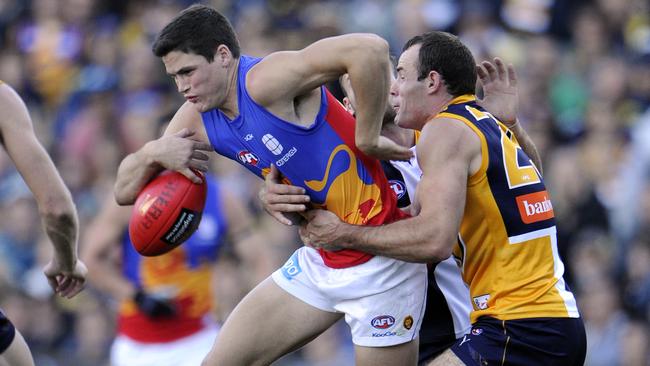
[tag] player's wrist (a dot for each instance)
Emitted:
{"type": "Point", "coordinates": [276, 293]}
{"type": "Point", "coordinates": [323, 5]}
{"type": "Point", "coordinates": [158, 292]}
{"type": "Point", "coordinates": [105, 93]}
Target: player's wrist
{"type": "Point", "coordinates": [147, 155]}
{"type": "Point", "coordinates": [65, 260]}
{"type": "Point", "coordinates": [346, 236]}
{"type": "Point", "coordinates": [514, 125]}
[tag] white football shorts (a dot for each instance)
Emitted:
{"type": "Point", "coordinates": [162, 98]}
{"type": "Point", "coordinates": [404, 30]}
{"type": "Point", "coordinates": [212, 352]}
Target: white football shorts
{"type": "Point", "coordinates": [383, 299]}
{"type": "Point", "coordinates": [187, 351]}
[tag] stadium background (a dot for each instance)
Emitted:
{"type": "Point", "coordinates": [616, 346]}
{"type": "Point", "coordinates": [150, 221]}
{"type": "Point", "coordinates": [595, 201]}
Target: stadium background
{"type": "Point", "coordinates": [95, 93]}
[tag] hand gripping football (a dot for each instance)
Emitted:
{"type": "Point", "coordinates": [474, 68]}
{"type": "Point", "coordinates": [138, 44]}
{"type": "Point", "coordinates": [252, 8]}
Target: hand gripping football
{"type": "Point", "coordinates": [167, 212]}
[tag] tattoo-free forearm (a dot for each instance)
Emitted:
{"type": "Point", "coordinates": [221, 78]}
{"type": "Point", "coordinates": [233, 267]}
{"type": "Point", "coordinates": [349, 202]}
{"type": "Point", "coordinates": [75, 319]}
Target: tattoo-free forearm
{"type": "Point", "coordinates": [527, 145]}
{"type": "Point", "coordinates": [133, 173]}
{"type": "Point", "coordinates": [408, 240]}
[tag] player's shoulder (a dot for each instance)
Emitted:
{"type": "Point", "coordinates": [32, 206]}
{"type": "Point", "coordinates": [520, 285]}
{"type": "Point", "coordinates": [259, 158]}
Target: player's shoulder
{"type": "Point", "coordinates": [11, 104]}
{"type": "Point", "coordinates": [7, 93]}
{"type": "Point", "coordinates": [444, 130]}
{"type": "Point", "coordinates": [442, 134]}
{"type": "Point", "coordinates": [186, 116]}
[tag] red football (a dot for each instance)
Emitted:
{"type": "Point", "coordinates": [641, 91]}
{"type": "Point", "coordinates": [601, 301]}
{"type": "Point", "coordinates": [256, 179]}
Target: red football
{"type": "Point", "coordinates": [167, 211]}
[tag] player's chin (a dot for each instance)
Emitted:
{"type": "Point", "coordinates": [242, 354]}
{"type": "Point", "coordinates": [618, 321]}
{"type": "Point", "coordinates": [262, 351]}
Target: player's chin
{"type": "Point", "coordinates": [200, 107]}
{"type": "Point", "coordinates": [401, 122]}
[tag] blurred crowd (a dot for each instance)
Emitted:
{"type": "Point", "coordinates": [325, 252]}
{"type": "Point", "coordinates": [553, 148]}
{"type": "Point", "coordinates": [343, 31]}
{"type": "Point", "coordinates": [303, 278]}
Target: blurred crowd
{"type": "Point", "coordinates": [96, 93]}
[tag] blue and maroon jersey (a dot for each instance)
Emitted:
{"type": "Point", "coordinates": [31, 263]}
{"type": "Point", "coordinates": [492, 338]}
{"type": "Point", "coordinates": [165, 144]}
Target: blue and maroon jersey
{"type": "Point", "coordinates": [183, 275]}
{"type": "Point", "coordinates": [322, 158]}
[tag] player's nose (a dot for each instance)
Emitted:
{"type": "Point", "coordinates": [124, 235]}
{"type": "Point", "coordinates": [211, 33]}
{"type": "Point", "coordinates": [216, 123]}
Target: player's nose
{"type": "Point", "coordinates": [393, 88]}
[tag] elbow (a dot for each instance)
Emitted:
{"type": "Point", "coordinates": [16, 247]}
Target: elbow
{"type": "Point", "coordinates": [439, 249]}
{"type": "Point", "coordinates": [375, 44]}
{"type": "Point", "coordinates": [366, 145]}
{"type": "Point", "coordinates": [439, 254]}
{"type": "Point", "coordinates": [367, 48]}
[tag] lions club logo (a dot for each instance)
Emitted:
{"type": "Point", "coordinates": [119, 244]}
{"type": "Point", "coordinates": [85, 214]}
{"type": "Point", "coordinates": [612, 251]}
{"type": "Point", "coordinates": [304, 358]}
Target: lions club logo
{"type": "Point", "coordinates": [408, 322]}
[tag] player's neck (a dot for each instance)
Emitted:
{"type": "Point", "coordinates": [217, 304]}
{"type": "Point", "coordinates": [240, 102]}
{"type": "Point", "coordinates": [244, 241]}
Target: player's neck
{"type": "Point", "coordinates": [230, 105]}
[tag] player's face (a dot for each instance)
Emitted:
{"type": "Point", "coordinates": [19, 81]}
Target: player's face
{"type": "Point", "coordinates": [408, 94]}
{"type": "Point", "coordinates": [200, 82]}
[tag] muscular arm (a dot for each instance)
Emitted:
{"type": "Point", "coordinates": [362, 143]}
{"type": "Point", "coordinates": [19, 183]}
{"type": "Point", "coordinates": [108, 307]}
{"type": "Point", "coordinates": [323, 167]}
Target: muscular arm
{"type": "Point", "coordinates": [101, 238]}
{"type": "Point", "coordinates": [181, 148]}
{"type": "Point", "coordinates": [55, 205]}
{"type": "Point", "coordinates": [282, 77]}
{"type": "Point", "coordinates": [446, 151]}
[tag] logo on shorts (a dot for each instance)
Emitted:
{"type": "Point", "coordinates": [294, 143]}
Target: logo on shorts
{"type": "Point", "coordinates": [408, 322]}
{"type": "Point", "coordinates": [481, 302]}
{"type": "Point", "coordinates": [477, 331]}
{"type": "Point", "coordinates": [385, 334]}
{"type": "Point", "coordinates": [382, 322]}
{"type": "Point", "coordinates": [291, 268]}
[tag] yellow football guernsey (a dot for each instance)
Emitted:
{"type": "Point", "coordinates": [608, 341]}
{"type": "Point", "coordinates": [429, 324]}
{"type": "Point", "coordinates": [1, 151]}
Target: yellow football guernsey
{"type": "Point", "coordinates": [507, 245]}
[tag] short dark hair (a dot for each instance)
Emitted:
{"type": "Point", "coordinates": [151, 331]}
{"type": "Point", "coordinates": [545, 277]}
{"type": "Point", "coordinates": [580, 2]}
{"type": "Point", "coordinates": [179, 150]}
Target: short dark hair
{"type": "Point", "coordinates": [198, 29]}
{"type": "Point", "coordinates": [446, 54]}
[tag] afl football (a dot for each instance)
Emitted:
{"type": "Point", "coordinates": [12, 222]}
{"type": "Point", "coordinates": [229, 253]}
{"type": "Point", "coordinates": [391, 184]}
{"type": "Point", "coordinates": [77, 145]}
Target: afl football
{"type": "Point", "coordinates": [167, 211]}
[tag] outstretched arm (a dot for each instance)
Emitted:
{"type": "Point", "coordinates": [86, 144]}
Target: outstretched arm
{"type": "Point", "coordinates": [282, 77]}
{"type": "Point", "coordinates": [65, 273]}
{"type": "Point", "coordinates": [182, 147]}
{"type": "Point", "coordinates": [102, 238]}
{"type": "Point", "coordinates": [501, 99]}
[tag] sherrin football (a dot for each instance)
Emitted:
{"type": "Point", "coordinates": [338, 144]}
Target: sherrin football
{"type": "Point", "coordinates": [167, 211]}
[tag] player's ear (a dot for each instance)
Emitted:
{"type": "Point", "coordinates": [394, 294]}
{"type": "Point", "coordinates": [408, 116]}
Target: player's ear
{"type": "Point", "coordinates": [433, 81]}
{"type": "Point", "coordinates": [223, 55]}
{"type": "Point", "coordinates": [348, 105]}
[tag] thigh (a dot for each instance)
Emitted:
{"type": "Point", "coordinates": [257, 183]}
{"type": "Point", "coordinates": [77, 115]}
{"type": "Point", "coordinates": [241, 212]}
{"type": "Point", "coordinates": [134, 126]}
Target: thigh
{"type": "Point", "coordinates": [185, 351]}
{"type": "Point", "coordinates": [446, 358]}
{"type": "Point", "coordinates": [17, 354]}
{"type": "Point", "coordinates": [402, 354]}
{"type": "Point", "coordinates": [266, 324]}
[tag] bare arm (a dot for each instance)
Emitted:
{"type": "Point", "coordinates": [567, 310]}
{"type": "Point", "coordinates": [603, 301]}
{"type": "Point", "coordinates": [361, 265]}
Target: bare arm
{"type": "Point", "coordinates": [282, 201]}
{"type": "Point", "coordinates": [282, 77]}
{"type": "Point", "coordinates": [64, 272]}
{"type": "Point", "coordinates": [501, 99]}
{"type": "Point", "coordinates": [181, 148]}
{"type": "Point", "coordinates": [100, 248]}
{"type": "Point", "coordinates": [446, 151]}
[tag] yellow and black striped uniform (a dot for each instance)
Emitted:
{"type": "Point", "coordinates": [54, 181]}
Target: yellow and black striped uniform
{"type": "Point", "coordinates": [507, 245]}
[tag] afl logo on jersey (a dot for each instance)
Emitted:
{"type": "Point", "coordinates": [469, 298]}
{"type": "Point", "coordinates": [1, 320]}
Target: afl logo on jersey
{"type": "Point", "coordinates": [272, 144]}
{"type": "Point", "coordinates": [398, 187]}
{"type": "Point", "coordinates": [247, 157]}
{"type": "Point", "coordinates": [382, 322]}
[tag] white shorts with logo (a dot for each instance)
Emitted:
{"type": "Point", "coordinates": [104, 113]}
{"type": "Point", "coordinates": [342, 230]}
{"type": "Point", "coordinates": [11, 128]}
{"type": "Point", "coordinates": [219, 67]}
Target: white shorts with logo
{"type": "Point", "coordinates": [383, 299]}
{"type": "Point", "coordinates": [187, 351]}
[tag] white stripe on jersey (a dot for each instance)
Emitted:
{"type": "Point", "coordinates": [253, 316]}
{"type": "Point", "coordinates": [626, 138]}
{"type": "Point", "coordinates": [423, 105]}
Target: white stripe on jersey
{"type": "Point", "coordinates": [456, 293]}
{"type": "Point", "coordinates": [411, 172]}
